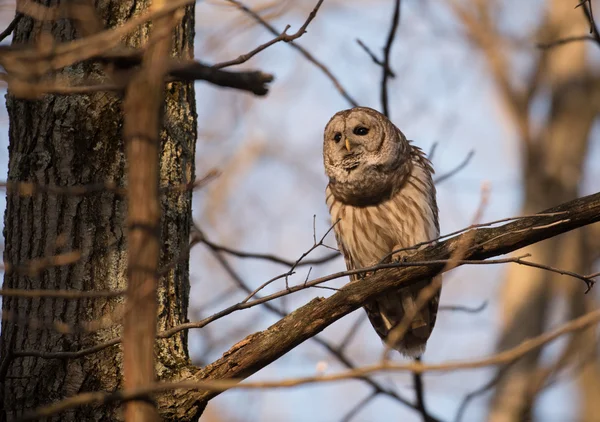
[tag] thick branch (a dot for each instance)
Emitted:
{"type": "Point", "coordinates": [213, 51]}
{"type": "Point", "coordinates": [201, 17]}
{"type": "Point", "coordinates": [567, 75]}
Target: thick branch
{"type": "Point", "coordinates": [260, 349]}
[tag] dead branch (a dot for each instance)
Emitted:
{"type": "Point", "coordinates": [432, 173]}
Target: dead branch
{"type": "Point", "coordinates": [27, 85]}
{"type": "Point", "coordinates": [336, 351]}
{"type": "Point", "coordinates": [564, 41]}
{"type": "Point", "coordinates": [301, 49]}
{"type": "Point", "coordinates": [586, 5]}
{"type": "Point", "coordinates": [11, 26]}
{"type": "Point", "coordinates": [443, 177]}
{"type": "Point", "coordinates": [374, 57]}
{"type": "Point", "coordinates": [462, 308]}
{"type": "Point", "coordinates": [200, 237]}
{"type": "Point", "coordinates": [260, 349]}
{"type": "Point", "coordinates": [281, 37]}
{"type": "Point", "coordinates": [302, 286]}
{"type": "Point", "coordinates": [27, 66]}
{"type": "Point", "coordinates": [211, 387]}
{"type": "Point", "coordinates": [385, 107]}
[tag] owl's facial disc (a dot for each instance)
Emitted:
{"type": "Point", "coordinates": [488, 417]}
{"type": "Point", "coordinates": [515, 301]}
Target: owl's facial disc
{"type": "Point", "coordinates": [365, 156]}
{"type": "Point", "coordinates": [351, 138]}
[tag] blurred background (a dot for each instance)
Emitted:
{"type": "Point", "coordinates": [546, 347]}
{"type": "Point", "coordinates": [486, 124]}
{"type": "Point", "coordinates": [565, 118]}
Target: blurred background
{"type": "Point", "coordinates": [470, 78]}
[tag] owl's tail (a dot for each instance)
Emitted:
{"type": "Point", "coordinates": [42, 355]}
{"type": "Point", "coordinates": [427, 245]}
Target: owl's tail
{"type": "Point", "coordinates": [387, 311]}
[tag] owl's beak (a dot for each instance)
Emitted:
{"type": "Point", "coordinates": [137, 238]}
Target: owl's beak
{"type": "Point", "coordinates": [347, 144]}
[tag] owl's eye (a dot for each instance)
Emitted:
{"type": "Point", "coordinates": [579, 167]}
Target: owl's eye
{"type": "Point", "coordinates": [337, 137]}
{"type": "Point", "coordinates": [360, 130]}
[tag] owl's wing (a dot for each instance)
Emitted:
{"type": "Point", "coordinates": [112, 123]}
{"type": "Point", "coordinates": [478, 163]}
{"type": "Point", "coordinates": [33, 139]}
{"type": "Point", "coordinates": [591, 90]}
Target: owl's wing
{"type": "Point", "coordinates": [350, 265]}
{"type": "Point", "coordinates": [372, 308]}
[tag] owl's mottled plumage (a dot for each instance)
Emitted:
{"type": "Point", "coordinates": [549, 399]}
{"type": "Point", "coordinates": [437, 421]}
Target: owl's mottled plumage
{"type": "Point", "coordinates": [381, 191]}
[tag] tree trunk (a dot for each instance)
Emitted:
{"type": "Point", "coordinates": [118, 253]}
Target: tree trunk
{"type": "Point", "coordinates": [72, 141]}
{"type": "Point", "coordinates": [552, 171]}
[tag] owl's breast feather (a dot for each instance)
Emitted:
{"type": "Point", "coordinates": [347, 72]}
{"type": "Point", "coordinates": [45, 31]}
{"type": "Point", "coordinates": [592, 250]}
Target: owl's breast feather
{"type": "Point", "coordinates": [369, 233]}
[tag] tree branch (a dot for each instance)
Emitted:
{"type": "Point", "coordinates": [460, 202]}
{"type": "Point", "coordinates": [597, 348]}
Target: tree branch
{"type": "Point", "coordinates": [385, 107]}
{"type": "Point", "coordinates": [301, 49]}
{"type": "Point", "coordinates": [143, 111]}
{"type": "Point", "coordinates": [281, 37]}
{"type": "Point", "coordinates": [260, 349]}
{"type": "Point", "coordinates": [211, 387]}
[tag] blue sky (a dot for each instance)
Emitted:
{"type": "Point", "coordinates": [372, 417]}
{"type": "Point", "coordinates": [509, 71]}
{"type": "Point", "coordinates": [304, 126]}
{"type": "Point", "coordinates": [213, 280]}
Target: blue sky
{"type": "Point", "coordinates": [269, 150]}
{"type": "Point", "coordinates": [442, 94]}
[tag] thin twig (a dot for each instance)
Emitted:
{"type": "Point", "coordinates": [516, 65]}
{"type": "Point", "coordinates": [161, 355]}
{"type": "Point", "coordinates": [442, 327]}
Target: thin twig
{"type": "Point", "coordinates": [11, 26]}
{"type": "Point", "coordinates": [586, 6]}
{"type": "Point", "coordinates": [269, 257]}
{"type": "Point", "coordinates": [352, 331]}
{"type": "Point", "coordinates": [281, 37]}
{"type": "Point", "coordinates": [292, 289]}
{"type": "Point", "coordinates": [462, 409]}
{"type": "Point", "coordinates": [420, 394]}
{"type": "Point", "coordinates": [337, 352]}
{"type": "Point", "coordinates": [373, 57]}
{"type": "Point", "coordinates": [589, 14]}
{"type": "Point", "coordinates": [386, 58]}
{"type": "Point", "coordinates": [566, 40]}
{"type": "Point", "coordinates": [462, 308]}
{"type": "Point", "coordinates": [457, 169]}
{"type": "Point", "coordinates": [471, 227]}
{"type": "Point", "coordinates": [358, 407]}
{"type": "Point", "coordinates": [505, 357]}
{"type": "Point", "coordinates": [301, 49]}
{"type": "Point", "coordinates": [295, 264]}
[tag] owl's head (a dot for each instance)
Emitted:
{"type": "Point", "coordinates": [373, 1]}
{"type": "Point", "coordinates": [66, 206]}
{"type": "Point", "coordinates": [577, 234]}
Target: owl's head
{"type": "Point", "coordinates": [366, 157]}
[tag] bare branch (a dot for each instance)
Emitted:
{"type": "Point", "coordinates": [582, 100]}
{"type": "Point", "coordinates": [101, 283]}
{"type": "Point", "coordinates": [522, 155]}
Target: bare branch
{"type": "Point", "coordinates": [385, 107]}
{"type": "Point", "coordinates": [358, 406]}
{"type": "Point", "coordinates": [267, 257]}
{"type": "Point", "coordinates": [589, 14]}
{"type": "Point", "coordinates": [210, 387]}
{"type": "Point", "coordinates": [262, 348]}
{"type": "Point", "coordinates": [488, 242]}
{"type": "Point", "coordinates": [564, 41]}
{"type": "Point", "coordinates": [442, 178]}
{"type": "Point", "coordinates": [301, 49]}
{"type": "Point", "coordinates": [337, 352]}
{"type": "Point", "coordinates": [11, 26]}
{"type": "Point", "coordinates": [462, 308]}
{"type": "Point", "coordinates": [281, 37]}
{"type": "Point", "coordinates": [373, 57]}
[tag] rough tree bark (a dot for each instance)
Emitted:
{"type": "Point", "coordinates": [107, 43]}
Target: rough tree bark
{"type": "Point", "coordinates": [77, 140]}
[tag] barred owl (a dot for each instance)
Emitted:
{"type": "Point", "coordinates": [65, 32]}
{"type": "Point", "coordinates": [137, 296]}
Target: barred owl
{"type": "Point", "coordinates": [381, 191]}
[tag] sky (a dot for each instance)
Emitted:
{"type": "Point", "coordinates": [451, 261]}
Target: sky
{"type": "Point", "coordinates": [272, 184]}
{"type": "Point", "coordinates": [442, 94]}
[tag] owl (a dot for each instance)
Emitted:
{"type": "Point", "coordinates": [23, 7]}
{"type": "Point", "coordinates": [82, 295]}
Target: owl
{"type": "Point", "coordinates": [382, 196]}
